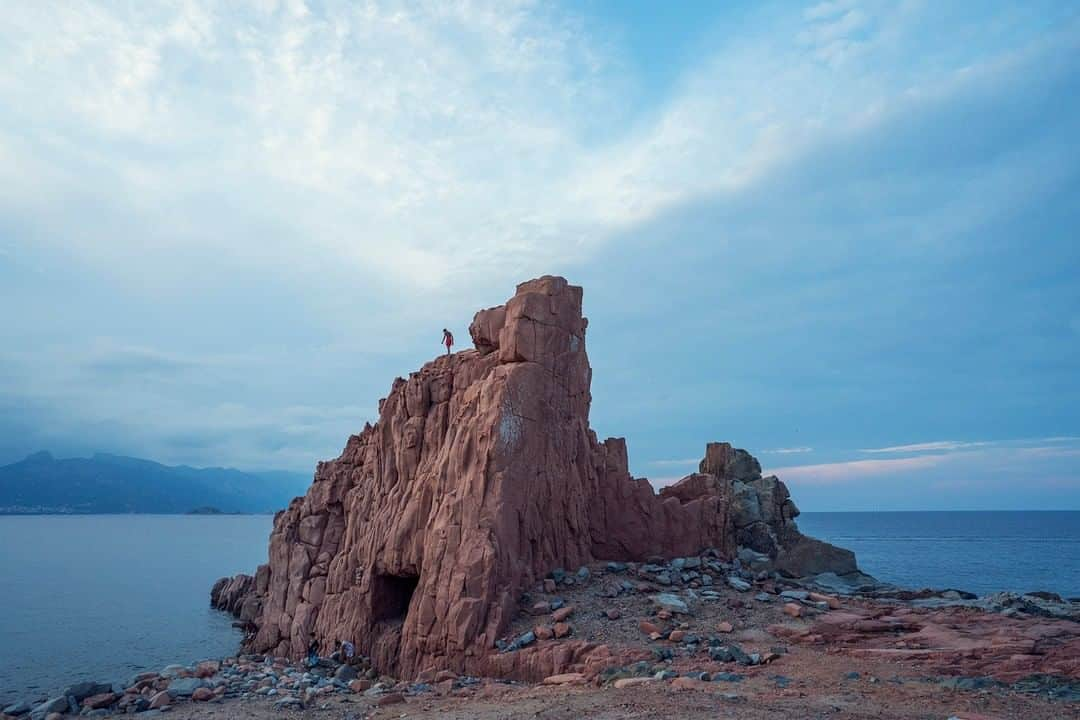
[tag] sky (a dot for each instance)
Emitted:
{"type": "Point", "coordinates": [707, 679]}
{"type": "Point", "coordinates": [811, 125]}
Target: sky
{"type": "Point", "coordinates": [843, 235]}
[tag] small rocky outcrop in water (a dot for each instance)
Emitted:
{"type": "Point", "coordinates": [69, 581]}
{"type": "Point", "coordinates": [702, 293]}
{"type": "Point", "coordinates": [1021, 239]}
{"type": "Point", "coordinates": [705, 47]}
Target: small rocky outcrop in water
{"type": "Point", "coordinates": [480, 477]}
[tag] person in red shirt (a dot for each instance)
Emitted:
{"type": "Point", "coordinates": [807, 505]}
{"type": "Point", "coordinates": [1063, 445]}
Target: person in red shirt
{"type": "Point", "coordinates": [448, 339]}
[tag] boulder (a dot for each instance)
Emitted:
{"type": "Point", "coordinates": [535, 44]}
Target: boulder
{"type": "Point", "coordinates": [19, 708]}
{"type": "Point", "coordinates": [479, 480]}
{"type": "Point", "coordinates": [345, 673]}
{"type": "Point", "coordinates": [202, 694]}
{"type": "Point", "coordinates": [184, 687]}
{"type": "Point", "coordinates": [810, 556]}
{"type": "Point", "coordinates": [101, 700]}
{"type": "Point", "coordinates": [57, 704]}
{"type": "Point", "coordinates": [390, 699]}
{"type": "Point", "coordinates": [160, 700]}
{"type": "Point", "coordinates": [671, 602]}
{"type": "Point", "coordinates": [83, 690]}
{"type": "Point", "coordinates": [564, 679]}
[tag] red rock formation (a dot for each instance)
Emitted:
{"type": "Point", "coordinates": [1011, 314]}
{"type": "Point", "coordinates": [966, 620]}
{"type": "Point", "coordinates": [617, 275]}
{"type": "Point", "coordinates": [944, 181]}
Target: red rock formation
{"type": "Point", "coordinates": [950, 641]}
{"type": "Point", "coordinates": [481, 476]}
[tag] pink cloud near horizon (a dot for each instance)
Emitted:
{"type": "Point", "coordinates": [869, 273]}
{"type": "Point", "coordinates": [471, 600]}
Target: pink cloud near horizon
{"type": "Point", "coordinates": [841, 472]}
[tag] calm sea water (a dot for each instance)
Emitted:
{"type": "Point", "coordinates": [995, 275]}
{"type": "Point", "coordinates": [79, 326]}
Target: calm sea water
{"type": "Point", "coordinates": [102, 597]}
{"type": "Point", "coordinates": [981, 552]}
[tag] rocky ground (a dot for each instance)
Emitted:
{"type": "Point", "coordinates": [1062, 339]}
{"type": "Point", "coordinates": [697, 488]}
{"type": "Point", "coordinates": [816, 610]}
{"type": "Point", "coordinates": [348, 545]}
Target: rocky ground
{"type": "Point", "coordinates": [688, 638]}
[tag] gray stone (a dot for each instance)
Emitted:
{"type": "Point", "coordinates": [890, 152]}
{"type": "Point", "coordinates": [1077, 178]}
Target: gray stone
{"type": "Point", "coordinates": [184, 687]}
{"type": "Point", "coordinates": [810, 556]}
{"type": "Point", "coordinates": [174, 671]}
{"type": "Point", "coordinates": [583, 573]}
{"type": "Point", "coordinates": [794, 594]}
{"type": "Point", "coordinates": [763, 597]}
{"type": "Point", "coordinates": [671, 602]}
{"type": "Point", "coordinates": [83, 690]}
{"type": "Point", "coordinates": [663, 578]}
{"type": "Point", "coordinates": [345, 673]}
{"type": "Point", "coordinates": [523, 640]}
{"type": "Point", "coordinates": [727, 677]}
{"type": "Point", "coordinates": [616, 567]}
{"type": "Point", "coordinates": [745, 505]}
{"type": "Point", "coordinates": [729, 653]}
{"type": "Point", "coordinates": [738, 583]}
{"type": "Point", "coordinates": [20, 708]}
{"type": "Point", "coordinates": [57, 704]}
{"type": "Point", "coordinates": [678, 564]}
{"type": "Point", "coordinates": [849, 584]}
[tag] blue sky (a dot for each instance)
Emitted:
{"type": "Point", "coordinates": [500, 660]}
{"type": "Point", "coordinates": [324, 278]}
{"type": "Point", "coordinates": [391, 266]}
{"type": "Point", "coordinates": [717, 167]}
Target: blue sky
{"type": "Point", "coordinates": [842, 235]}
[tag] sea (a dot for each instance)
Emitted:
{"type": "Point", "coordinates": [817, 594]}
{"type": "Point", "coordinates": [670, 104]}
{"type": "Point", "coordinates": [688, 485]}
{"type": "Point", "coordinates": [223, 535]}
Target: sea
{"type": "Point", "coordinates": [102, 597]}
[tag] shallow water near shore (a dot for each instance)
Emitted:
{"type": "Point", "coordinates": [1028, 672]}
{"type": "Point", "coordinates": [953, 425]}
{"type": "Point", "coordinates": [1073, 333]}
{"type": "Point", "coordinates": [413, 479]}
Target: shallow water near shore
{"type": "Point", "coordinates": [101, 597]}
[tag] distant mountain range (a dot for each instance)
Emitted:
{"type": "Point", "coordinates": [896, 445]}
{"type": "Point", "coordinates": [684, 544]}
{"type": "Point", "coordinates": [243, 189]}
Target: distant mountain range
{"type": "Point", "coordinates": [115, 484]}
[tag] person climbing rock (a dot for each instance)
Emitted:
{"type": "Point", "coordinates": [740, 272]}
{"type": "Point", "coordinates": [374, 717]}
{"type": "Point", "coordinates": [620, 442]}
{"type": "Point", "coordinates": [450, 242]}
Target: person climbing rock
{"type": "Point", "coordinates": [348, 652]}
{"type": "Point", "coordinates": [313, 651]}
{"type": "Point", "coordinates": [448, 339]}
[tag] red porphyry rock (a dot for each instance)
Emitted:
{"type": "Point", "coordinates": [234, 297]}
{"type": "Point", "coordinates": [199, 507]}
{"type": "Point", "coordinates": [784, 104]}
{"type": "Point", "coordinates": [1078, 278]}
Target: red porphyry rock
{"type": "Point", "coordinates": [160, 700]}
{"type": "Point", "coordinates": [954, 641]}
{"type": "Point", "coordinates": [792, 609]}
{"type": "Point", "coordinates": [564, 679]}
{"type": "Point", "coordinates": [390, 699]}
{"type": "Point", "coordinates": [207, 668]}
{"type": "Point", "coordinates": [104, 700]}
{"type": "Point", "coordinates": [481, 476]}
{"type": "Point", "coordinates": [202, 694]}
{"type": "Point", "coordinates": [725, 627]}
{"type": "Point", "coordinates": [543, 632]}
{"type": "Point", "coordinates": [562, 630]}
{"type": "Point", "coordinates": [562, 613]}
{"type": "Point", "coordinates": [830, 600]}
{"type": "Point", "coordinates": [647, 627]}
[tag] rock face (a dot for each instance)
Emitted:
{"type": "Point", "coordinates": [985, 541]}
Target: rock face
{"type": "Point", "coordinates": [480, 476]}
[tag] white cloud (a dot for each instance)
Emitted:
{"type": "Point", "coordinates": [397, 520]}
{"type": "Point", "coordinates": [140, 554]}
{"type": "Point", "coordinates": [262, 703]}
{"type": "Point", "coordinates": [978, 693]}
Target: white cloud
{"type": "Point", "coordinates": [789, 450]}
{"type": "Point", "coordinates": [217, 171]}
{"type": "Point", "coordinates": [422, 144]}
{"type": "Point", "coordinates": [854, 470]}
{"type": "Point", "coordinates": [681, 462]}
{"type": "Point", "coordinates": [943, 445]}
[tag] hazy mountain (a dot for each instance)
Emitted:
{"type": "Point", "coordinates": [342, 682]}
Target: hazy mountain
{"type": "Point", "coordinates": [104, 483]}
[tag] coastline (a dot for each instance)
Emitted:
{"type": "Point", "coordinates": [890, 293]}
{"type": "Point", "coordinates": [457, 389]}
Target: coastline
{"type": "Point", "coordinates": [766, 649]}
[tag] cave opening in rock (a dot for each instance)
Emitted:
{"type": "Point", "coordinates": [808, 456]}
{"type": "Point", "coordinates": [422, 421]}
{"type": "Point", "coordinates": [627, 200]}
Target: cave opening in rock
{"type": "Point", "coordinates": [392, 595]}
